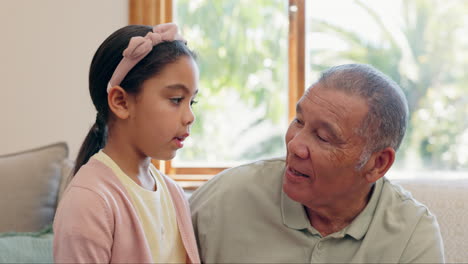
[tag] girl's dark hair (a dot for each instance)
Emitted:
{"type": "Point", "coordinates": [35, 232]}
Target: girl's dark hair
{"type": "Point", "coordinates": [104, 62]}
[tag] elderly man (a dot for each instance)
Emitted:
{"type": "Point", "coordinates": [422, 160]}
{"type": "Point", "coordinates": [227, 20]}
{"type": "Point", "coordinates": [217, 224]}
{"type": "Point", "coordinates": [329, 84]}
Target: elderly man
{"type": "Point", "coordinates": [328, 200]}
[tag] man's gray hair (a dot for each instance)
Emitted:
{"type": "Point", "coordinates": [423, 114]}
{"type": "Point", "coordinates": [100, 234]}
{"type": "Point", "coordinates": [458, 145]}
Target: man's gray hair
{"type": "Point", "coordinates": [385, 123]}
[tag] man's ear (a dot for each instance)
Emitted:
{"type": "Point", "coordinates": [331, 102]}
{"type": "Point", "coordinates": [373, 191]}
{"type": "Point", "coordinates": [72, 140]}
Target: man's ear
{"type": "Point", "coordinates": [378, 164]}
{"type": "Point", "coordinates": [118, 100]}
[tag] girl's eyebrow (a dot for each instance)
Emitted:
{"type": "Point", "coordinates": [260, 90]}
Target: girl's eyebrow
{"type": "Point", "coordinates": [179, 86]}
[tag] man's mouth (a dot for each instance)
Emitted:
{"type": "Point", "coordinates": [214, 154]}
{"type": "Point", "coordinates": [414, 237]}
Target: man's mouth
{"type": "Point", "coordinates": [298, 173]}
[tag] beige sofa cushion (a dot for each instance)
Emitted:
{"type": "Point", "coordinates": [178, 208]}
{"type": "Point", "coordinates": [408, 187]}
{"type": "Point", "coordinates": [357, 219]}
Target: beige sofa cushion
{"type": "Point", "coordinates": [67, 167]}
{"type": "Point", "coordinates": [30, 184]}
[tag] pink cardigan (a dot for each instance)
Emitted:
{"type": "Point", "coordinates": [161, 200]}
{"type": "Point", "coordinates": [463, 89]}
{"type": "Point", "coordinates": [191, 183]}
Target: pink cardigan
{"type": "Point", "coordinates": [97, 222]}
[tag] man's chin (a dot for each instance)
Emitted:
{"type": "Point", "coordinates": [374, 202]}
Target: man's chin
{"type": "Point", "coordinates": [290, 190]}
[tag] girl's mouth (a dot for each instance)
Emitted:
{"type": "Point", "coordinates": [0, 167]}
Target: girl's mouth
{"type": "Point", "coordinates": [179, 141]}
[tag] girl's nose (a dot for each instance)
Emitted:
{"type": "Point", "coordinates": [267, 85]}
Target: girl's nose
{"type": "Point", "coordinates": [188, 117]}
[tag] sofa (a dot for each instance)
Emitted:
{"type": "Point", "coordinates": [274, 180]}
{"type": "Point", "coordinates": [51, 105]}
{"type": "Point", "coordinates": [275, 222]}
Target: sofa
{"type": "Point", "coordinates": [32, 183]}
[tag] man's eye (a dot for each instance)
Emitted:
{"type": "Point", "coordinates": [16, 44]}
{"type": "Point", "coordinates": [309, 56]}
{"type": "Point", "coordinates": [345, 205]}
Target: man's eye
{"type": "Point", "coordinates": [322, 138]}
{"type": "Point", "coordinates": [193, 102]}
{"type": "Point", "coordinates": [297, 121]}
{"type": "Point", "coordinates": [177, 100]}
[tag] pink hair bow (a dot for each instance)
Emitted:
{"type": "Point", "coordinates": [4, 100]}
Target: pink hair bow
{"type": "Point", "coordinates": [139, 47]}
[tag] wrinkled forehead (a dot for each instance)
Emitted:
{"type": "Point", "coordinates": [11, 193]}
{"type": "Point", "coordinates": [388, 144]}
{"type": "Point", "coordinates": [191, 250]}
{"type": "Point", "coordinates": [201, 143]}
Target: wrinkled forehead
{"type": "Point", "coordinates": [325, 100]}
{"type": "Point", "coordinates": [318, 93]}
{"type": "Point", "coordinates": [318, 89]}
{"type": "Point", "coordinates": [334, 105]}
{"type": "Point", "coordinates": [313, 88]}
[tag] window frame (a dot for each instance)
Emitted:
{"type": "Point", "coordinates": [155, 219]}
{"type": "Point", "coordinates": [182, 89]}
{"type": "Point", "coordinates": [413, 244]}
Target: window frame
{"type": "Point", "coordinates": [152, 12]}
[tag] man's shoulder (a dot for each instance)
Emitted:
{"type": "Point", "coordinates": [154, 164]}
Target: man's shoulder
{"type": "Point", "coordinates": [253, 169]}
{"type": "Point", "coordinates": [249, 171]}
{"type": "Point", "coordinates": [247, 177]}
{"type": "Point", "coordinates": [402, 198]}
{"type": "Point", "coordinates": [408, 225]}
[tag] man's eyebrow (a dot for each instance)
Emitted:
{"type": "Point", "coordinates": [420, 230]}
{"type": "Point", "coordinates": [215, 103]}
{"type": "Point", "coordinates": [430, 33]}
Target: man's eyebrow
{"type": "Point", "coordinates": [180, 87]}
{"type": "Point", "coordinates": [298, 108]}
{"type": "Point", "coordinates": [327, 126]}
{"type": "Point", "coordinates": [330, 128]}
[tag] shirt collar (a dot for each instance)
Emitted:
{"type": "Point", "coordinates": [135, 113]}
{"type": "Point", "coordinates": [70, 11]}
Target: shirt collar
{"type": "Point", "coordinates": [359, 226]}
{"type": "Point", "coordinates": [295, 217]}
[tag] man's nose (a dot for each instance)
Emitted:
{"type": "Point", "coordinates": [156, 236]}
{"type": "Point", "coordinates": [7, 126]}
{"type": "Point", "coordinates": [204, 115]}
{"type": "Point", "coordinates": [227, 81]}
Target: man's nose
{"type": "Point", "coordinates": [298, 147]}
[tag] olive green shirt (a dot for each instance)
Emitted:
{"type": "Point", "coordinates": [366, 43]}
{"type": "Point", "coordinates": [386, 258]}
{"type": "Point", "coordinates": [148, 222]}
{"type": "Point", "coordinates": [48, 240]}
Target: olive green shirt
{"type": "Point", "coordinates": [243, 216]}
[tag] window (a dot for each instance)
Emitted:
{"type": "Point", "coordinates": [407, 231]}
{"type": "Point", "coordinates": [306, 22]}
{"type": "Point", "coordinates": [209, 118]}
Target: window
{"type": "Point", "coordinates": [422, 45]}
{"type": "Point", "coordinates": [257, 57]}
{"type": "Point", "coordinates": [242, 109]}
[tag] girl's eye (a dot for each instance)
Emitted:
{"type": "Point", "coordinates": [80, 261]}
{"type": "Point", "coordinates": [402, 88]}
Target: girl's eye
{"type": "Point", "coordinates": [177, 100]}
{"type": "Point", "coordinates": [193, 102]}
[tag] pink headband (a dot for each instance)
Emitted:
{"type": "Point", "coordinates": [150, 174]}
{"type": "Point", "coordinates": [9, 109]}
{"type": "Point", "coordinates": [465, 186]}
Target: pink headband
{"type": "Point", "coordinates": [139, 47]}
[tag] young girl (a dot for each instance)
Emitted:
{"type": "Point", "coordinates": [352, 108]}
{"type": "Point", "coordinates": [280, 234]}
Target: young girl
{"type": "Point", "coordinates": [118, 206]}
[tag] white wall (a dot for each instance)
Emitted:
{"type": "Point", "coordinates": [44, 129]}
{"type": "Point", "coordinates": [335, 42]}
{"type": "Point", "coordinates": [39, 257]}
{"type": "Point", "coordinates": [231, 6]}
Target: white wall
{"type": "Point", "coordinates": [46, 47]}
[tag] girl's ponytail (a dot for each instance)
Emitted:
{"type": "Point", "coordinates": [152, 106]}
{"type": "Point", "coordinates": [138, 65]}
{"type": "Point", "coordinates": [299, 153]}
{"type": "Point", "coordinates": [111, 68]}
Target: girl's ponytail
{"type": "Point", "coordinates": [94, 141]}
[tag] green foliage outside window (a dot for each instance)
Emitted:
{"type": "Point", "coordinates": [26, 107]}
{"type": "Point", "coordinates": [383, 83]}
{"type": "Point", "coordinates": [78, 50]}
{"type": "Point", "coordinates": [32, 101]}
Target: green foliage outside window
{"type": "Point", "coordinates": [242, 48]}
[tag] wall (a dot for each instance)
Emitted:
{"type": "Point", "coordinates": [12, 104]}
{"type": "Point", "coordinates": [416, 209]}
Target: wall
{"type": "Point", "coordinates": [46, 48]}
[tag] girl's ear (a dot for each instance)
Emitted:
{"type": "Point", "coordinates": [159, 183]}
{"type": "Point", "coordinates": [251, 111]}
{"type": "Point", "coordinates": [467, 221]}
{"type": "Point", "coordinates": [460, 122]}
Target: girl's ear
{"type": "Point", "coordinates": [378, 164]}
{"type": "Point", "coordinates": [117, 98]}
